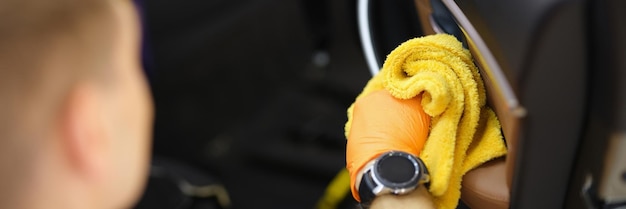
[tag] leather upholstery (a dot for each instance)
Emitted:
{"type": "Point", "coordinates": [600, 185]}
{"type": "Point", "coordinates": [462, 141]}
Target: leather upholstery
{"type": "Point", "coordinates": [486, 187]}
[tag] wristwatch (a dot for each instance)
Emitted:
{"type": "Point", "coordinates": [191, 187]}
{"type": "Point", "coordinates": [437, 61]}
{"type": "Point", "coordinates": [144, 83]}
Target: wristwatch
{"type": "Point", "coordinates": [393, 172]}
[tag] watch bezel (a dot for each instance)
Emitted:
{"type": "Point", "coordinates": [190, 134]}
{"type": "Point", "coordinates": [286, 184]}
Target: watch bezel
{"type": "Point", "coordinates": [369, 183]}
{"type": "Point", "coordinates": [393, 187]}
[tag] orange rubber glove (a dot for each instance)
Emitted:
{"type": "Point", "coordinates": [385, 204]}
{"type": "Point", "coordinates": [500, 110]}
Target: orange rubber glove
{"type": "Point", "coordinates": [382, 123]}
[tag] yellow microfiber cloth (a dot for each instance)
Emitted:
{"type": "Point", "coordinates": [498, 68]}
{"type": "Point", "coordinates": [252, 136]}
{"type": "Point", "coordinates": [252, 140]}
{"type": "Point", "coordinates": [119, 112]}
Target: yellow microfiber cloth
{"type": "Point", "coordinates": [464, 132]}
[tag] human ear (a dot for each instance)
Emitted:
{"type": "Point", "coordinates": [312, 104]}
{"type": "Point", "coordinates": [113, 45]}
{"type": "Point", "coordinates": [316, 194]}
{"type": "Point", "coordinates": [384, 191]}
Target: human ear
{"type": "Point", "coordinates": [82, 138]}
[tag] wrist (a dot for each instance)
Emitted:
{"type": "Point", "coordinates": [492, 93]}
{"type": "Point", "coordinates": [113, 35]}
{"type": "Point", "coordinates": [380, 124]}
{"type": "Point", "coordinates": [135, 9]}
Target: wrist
{"type": "Point", "coordinates": [419, 198]}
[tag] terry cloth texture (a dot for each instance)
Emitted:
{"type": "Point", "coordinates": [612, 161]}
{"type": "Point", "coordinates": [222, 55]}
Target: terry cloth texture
{"type": "Point", "coordinates": [464, 132]}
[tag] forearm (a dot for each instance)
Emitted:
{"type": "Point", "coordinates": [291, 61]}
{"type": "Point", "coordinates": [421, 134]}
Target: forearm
{"type": "Point", "coordinates": [418, 199]}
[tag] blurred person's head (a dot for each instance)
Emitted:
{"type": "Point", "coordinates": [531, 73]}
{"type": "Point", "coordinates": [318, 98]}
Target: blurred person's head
{"type": "Point", "coordinates": [75, 114]}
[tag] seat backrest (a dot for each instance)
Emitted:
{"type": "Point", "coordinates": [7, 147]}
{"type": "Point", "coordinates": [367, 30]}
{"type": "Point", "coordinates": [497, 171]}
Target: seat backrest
{"type": "Point", "coordinates": [539, 49]}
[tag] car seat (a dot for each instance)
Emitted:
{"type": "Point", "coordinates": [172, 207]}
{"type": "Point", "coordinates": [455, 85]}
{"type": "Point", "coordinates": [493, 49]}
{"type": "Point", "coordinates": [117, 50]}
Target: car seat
{"type": "Point", "coordinates": [536, 60]}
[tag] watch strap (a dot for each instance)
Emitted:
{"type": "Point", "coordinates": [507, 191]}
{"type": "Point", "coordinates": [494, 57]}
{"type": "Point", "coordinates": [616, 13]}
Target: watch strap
{"type": "Point", "coordinates": [365, 188]}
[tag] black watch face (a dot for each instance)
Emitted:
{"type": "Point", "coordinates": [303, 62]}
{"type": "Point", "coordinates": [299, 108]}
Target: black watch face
{"type": "Point", "coordinates": [397, 169]}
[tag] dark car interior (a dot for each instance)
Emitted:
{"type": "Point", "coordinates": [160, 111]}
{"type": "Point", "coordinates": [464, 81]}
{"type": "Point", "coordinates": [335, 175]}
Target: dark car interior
{"type": "Point", "coordinates": [251, 96]}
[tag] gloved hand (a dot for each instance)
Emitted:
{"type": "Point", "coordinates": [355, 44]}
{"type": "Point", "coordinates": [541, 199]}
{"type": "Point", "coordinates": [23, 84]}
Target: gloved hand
{"type": "Point", "coordinates": [382, 123]}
